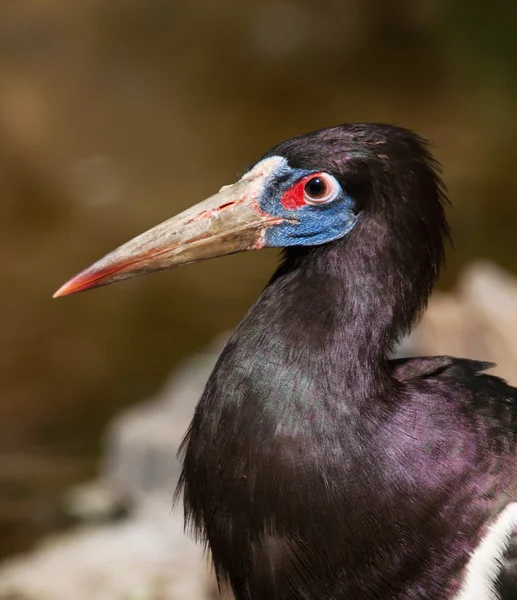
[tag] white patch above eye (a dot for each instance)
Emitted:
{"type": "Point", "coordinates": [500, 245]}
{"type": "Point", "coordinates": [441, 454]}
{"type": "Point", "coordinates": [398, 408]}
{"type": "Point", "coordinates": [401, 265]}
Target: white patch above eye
{"type": "Point", "coordinates": [484, 565]}
{"type": "Point", "coordinates": [266, 167]}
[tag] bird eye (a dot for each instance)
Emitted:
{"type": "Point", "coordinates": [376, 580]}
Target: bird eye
{"type": "Point", "coordinates": [316, 188]}
{"type": "Point", "coordinates": [320, 189]}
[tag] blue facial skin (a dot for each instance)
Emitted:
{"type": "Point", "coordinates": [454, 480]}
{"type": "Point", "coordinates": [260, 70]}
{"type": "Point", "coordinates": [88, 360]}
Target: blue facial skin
{"type": "Point", "coordinates": [307, 225]}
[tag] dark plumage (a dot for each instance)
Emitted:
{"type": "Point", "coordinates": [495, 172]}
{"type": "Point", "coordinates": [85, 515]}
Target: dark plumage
{"type": "Point", "coordinates": [315, 467]}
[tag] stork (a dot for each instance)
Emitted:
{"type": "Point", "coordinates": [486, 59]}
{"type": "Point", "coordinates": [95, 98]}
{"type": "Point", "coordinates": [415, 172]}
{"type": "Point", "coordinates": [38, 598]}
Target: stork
{"type": "Point", "coordinates": [316, 468]}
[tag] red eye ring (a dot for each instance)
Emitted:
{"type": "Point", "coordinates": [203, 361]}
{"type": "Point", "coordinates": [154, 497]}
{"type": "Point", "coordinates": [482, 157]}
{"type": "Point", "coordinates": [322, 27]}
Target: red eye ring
{"type": "Point", "coordinates": [300, 194]}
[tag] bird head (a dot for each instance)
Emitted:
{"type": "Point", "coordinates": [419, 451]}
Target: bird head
{"type": "Point", "coordinates": [308, 191]}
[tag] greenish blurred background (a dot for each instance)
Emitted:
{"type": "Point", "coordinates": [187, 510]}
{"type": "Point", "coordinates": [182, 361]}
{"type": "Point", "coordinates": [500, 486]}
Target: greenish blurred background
{"type": "Point", "coordinates": [116, 115]}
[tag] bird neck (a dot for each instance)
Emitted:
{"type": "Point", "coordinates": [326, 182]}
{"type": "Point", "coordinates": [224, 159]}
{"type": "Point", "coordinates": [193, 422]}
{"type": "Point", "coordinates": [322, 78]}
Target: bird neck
{"type": "Point", "coordinates": [339, 309]}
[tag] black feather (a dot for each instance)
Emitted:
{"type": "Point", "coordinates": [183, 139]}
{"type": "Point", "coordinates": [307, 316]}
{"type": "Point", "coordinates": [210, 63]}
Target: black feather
{"type": "Point", "coordinates": [315, 468]}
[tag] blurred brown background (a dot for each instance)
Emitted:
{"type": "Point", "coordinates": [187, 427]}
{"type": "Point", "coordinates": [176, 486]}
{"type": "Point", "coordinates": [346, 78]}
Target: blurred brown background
{"type": "Point", "coordinates": [116, 115]}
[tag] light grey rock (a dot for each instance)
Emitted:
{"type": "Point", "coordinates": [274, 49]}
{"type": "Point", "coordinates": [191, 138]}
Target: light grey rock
{"type": "Point", "coordinates": [146, 556]}
{"type": "Point", "coordinates": [142, 443]}
{"type": "Point", "coordinates": [476, 320]}
{"type": "Point", "coordinates": [96, 501]}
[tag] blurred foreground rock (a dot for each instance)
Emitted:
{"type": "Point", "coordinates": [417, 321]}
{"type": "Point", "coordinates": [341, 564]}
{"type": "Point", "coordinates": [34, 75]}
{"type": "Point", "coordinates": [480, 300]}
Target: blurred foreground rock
{"type": "Point", "coordinates": [131, 544]}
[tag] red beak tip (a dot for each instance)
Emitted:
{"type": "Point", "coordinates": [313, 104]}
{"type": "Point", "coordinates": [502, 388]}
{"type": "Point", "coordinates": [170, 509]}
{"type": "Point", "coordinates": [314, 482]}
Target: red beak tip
{"type": "Point", "coordinates": [77, 284]}
{"type": "Point", "coordinates": [64, 290]}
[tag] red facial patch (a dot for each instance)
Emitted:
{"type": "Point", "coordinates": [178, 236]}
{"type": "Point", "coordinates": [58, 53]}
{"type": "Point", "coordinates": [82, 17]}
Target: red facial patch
{"type": "Point", "coordinates": [294, 197]}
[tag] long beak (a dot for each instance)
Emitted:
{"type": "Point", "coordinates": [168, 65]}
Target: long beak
{"type": "Point", "coordinates": [229, 222]}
